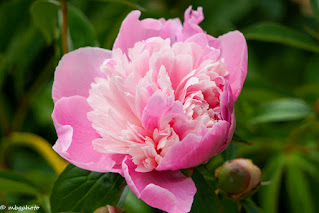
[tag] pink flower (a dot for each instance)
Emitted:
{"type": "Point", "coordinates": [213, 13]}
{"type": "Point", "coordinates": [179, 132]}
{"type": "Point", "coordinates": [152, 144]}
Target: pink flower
{"type": "Point", "coordinates": [160, 101]}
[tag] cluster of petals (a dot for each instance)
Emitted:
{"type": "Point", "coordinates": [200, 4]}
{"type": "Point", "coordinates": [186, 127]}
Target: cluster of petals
{"type": "Point", "coordinates": [162, 100]}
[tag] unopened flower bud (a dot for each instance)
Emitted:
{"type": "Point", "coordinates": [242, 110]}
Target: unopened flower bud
{"type": "Point", "coordinates": [109, 209]}
{"type": "Point", "coordinates": [238, 178]}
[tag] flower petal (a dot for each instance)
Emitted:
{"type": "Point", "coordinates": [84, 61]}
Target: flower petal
{"type": "Point", "coordinates": [228, 114]}
{"type": "Point", "coordinates": [158, 108]}
{"type": "Point", "coordinates": [75, 136]}
{"type": "Point", "coordinates": [77, 70]}
{"type": "Point", "coordinates": [194, 150]}
{"type": "Point", "coordinates": [170, 191]}
{"type": "Point", "coordinates": [234, 50]}
{"type": "Point", "coordinates": [191, 20]}
{"type": "Point", "coordinates": [144, 29]}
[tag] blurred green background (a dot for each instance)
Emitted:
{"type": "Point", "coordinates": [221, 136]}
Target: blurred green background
{"type": "Point", "coordinates": [277, 111]}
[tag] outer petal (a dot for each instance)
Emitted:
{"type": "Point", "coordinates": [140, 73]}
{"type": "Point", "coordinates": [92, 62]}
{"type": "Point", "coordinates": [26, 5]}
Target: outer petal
{"type": "Point", "coordinates": [170, 191]}
{"type": "Point", "coordinates": [234, 50]}
{"type": "Point", "coordinates": [75, 136]}
{"type": "Point", "coordinates": [228, 114]}
{"type": "Point", "coordinates": [144, 29]}
{"type": "Point", "coordinates": [170, 29]}
{"type": "Point", "coordinates": [194, 150]}
{"type": "Point", "coordinates": [77, 70]}
{"type": "Point", "coordinates": [191, 20]}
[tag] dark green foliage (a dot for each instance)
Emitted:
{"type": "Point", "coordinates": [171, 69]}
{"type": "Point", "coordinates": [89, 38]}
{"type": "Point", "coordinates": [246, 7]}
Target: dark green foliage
{"type": "Point", "coordinates": [78, 190]}
{"type": "Point", "coordinates": [276, 33]}
{"type": "Point", "coordinates": [205, 199]}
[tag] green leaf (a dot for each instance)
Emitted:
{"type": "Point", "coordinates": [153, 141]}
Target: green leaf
{"type": "Point", "coordinates": [80, 31]}
{"type": "Point", "coordinates": [13, 16]}
{"type": "Point", "coordinates": [205, 199]}
{"type": "Point", "coordinates": [230, 152]}
{"type": "Point", "coordinates": [282, 110]}
{"type": "Point", "coordinates": [43, 180]}
{"type": "Point", "coordinates": [237, 139]}
{"type": "Point", "coordinates": [14, 182]}
{"type": "Point", "coordinates": [26, 40]}
{"type": "Point", "coordinates": [251, 207]}
{"type": "Point", "coordinates": [311, 71]}
{"type": "Point", "coordinates": [80, 190]}
{"type": "Point", "coordinates": [308, 166]}
{"type": "Point", "coordinates": [308, 92]}
{"type": "Point", "coordinates": [123, 196]}
{"type": "Point", "coordinates": [228, 205]}
{"type": "Point", "coordinates": [272, 32]}
{"type": "Point", "coordinates": [298, 189]}
{"type": "Point", "coordinates": [270, 193]}
{"type": "Point", "coordinates": [133, 204]}
{"type": "Point", "coordinates": [315, 7]}
{"type": "Point", "coordinates": [44, 14]}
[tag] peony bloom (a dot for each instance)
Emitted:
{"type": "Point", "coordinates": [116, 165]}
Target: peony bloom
{"type": "Point", "coordinates": [160, 101]}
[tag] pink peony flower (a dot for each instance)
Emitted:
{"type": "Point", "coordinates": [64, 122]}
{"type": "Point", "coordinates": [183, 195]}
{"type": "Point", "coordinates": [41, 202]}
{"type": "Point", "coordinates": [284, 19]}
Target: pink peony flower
{"type": "Point", "coordinates": [160, 101]}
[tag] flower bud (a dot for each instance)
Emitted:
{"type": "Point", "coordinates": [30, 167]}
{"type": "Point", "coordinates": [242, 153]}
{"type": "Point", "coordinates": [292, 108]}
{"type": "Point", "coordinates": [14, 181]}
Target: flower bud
{"type": "Point", "coordinates": [238, 178]}
{"type": "Point", "coordinates": [109, 209]}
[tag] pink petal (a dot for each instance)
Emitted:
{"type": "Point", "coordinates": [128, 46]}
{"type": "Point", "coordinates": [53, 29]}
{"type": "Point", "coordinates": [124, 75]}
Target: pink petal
{"type": "Point", "coordinates": [205, 41]}
{"type": "Point", "coordinates": [193, 17]}
{"type": "Point", "coordinates": [144, 29]}
{"type": "Point", "coordinates": [75, 136]}
{"type": "Point", "coordinates": [228, 114]}
{"type": "Point", "coordinates": [234, 50]}
{"type": "Point", "coordinates": [170, 191]}
{"type": "Point", "coordinates": [153, 112]}
{"type": "Point", "coordinates": [227, 103]}
{"type": "Point", "coordinates": [170, 29]}
{"type": "Point", "coordinates": [191, 20]}
{"type": "Point", "coordinates": [200, 39]}
{"type": "Point", "coordinates": [156, 108]}
{"type": "Point", "coordinates": [77, 70]}
{"type": "Point", "coordinates": [194, 150]}
{"type": "Point", "coordinates": [182, 67]}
